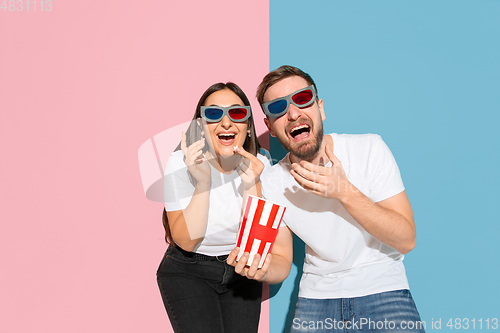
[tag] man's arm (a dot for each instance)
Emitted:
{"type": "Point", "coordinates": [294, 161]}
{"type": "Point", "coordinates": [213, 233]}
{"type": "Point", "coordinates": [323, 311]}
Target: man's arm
{"type": "Point", "coordinates": [277, 264]}
{"type": "Point", "coordinates": [390, 220]}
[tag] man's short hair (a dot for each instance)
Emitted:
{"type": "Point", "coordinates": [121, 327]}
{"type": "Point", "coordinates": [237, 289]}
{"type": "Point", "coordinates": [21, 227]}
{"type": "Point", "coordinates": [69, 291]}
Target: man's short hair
{"type": "Point", "coordinates": [279, 74]}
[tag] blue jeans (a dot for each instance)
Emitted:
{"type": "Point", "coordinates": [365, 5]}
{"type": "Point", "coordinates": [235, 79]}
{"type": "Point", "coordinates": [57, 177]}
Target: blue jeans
{"type": "Point", "coordinates": [392, 311]}
{"type": "Point", "coordinates": [205, 294]}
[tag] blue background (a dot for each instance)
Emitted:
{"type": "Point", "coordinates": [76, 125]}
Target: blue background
{"type": "Point", "coordinates": [425, 75]}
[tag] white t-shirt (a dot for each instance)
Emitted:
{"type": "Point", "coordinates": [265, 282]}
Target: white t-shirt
{"type": "Point", "coordinates": [342, 259]}
{"type": "Point", "coordinates": [226, 196]}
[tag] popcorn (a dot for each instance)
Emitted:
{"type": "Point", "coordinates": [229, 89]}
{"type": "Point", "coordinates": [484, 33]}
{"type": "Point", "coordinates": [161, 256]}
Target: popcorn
{"type": "Point", "coordinates": [259, 225]}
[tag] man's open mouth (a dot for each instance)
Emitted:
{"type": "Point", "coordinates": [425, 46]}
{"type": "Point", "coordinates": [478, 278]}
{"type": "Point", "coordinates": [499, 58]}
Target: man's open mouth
{"type": "Point", "coordinates": [300, 132]}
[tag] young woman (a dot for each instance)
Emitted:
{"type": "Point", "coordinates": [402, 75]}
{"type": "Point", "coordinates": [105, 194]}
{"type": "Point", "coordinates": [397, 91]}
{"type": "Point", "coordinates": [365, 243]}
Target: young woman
{"type": "Point", "coordinates": [216, 164]}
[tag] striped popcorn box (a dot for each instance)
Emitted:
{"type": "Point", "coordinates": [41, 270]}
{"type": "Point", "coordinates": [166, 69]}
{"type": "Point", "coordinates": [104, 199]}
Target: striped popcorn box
{"type": "Point", "coordinates": [259, 226]}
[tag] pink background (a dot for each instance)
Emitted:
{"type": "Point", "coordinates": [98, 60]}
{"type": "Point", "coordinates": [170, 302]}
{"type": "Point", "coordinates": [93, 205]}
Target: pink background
{"type": "Point", "coordinates": [81, 88]}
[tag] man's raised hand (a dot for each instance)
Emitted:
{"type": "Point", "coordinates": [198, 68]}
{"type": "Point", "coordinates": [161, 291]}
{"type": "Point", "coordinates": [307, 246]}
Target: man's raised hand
{"type": "Point", "coordinates": [330, 182]}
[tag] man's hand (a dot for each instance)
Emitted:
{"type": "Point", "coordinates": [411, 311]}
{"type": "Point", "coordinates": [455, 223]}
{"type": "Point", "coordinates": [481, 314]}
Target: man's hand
{"type": "Point", "coordinates": [330, 182]}
{"type": "Point", "coordinates": [251, 272]}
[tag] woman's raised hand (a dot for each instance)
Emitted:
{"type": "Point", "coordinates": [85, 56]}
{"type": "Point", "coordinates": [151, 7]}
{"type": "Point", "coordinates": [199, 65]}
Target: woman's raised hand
{"type": "Point", "coordinates": [250, 168]}
{"type": "Point", "coordinates": [196, 163]}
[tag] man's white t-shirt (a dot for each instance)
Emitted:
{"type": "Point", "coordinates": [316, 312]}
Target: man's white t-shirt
{"type": "Point", "coordinates": [342, 260]}
{"type": "Point", "coordinates": [226, 196]}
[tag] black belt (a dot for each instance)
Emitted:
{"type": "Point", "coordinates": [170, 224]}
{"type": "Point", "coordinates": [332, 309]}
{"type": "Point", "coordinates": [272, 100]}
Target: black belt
{"type": "Point", "coordinates": [201, 257]}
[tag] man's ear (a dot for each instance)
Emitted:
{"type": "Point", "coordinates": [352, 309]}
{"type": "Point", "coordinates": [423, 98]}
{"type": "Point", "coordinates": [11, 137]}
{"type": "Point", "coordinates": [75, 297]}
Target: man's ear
{"type": "Point", "coordinates": [269, 127]}
{"type": "Point", "coordinates": [321, 110]}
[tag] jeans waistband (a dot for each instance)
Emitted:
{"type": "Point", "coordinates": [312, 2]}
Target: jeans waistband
{"type": "Point", "coordinates": [199, 256]}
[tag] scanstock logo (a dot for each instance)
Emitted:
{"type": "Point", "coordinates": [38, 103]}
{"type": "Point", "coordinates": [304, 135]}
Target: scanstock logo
{"type": "Point", "coordinates": [258, 227]}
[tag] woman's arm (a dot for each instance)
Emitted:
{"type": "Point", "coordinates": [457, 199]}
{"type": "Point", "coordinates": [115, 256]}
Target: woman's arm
{"type": "Point", "coordinates": [188, 226]}
{"type": "Point", "coordinates": [278, 262]}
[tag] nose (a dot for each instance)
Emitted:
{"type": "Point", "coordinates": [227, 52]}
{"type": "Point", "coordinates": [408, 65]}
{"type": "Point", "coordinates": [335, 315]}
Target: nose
{"type": "Point", "coordinates": [293, 112]}
{"type": "Point", "coordinates": [225, 122]}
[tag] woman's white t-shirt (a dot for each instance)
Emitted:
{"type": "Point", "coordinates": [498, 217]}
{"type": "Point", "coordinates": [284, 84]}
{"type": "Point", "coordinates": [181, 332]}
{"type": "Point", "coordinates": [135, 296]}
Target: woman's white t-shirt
{"type": "Point", "coordinates": [226, 196]}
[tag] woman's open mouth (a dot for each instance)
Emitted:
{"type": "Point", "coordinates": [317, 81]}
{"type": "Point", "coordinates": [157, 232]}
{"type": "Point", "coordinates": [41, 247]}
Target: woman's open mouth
{"type": "Point", "coordinates": [226, 139]}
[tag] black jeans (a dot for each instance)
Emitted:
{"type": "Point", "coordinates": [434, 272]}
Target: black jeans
{"type": "Point", "coordinates": [202, 294]}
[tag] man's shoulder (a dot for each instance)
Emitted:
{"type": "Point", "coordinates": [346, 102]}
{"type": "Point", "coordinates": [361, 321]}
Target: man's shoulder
{"type": "Point", "coordinates": [355, 138]}
{"type": "Point", "coordinates": [355, 144]}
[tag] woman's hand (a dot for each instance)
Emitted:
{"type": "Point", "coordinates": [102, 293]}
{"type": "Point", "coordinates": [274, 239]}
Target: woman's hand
{"type": "Point", "coordinates": [251, 272]}
{"type": "Point", "coordinates": [277, 265]}
{"type": "Point", "coordinates": [250, 169]}
{"type": "Point", "coordinates": [196, 163]}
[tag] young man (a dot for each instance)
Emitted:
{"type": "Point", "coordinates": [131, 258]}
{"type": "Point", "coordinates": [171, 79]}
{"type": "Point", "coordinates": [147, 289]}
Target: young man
{"type": "Point", "coordinates": [345, 199]}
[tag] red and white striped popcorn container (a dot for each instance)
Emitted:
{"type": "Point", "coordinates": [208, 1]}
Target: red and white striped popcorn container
{"type": "Point", "coordinates": [259, 225]}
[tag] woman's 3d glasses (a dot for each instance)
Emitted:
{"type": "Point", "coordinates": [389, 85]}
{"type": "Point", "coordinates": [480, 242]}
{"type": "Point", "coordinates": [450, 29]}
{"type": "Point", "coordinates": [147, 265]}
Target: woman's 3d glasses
{"type": "Point", "coordinates": [214, 114]}
{"type": "Point", "coordinates": [301, 98]}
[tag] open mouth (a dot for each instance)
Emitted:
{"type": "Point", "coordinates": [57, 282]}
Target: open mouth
{"type": "Point", "coordinates": [300, 132]}
{"type": "Point", "coordinates": [226, 138]}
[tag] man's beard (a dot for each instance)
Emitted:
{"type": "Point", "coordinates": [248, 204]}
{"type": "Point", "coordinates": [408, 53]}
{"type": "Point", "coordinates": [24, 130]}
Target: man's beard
{"type": "Point", "coordinates": [310, 152]}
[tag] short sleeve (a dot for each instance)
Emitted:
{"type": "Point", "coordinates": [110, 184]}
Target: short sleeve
{"type": "Point", "coordinates": [177, 188]}
{"type": "Point", "coordinates": [265, 157]}
{"type": "Point", "coordinates": [384, 175]}
{"type": "Point", "coordinates": [273, 179]}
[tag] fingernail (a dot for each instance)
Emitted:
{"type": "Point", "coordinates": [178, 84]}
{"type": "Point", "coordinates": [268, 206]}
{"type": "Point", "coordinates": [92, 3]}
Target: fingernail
{"type": "Point", "coordinates": [236, 148]}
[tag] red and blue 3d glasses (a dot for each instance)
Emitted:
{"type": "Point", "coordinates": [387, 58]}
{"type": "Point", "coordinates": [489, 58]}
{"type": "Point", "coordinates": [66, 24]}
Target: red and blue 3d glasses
{"type": "Point", "coordinates": [301, 98]}
{"type": "Point", "coordinates": [215, 113]}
